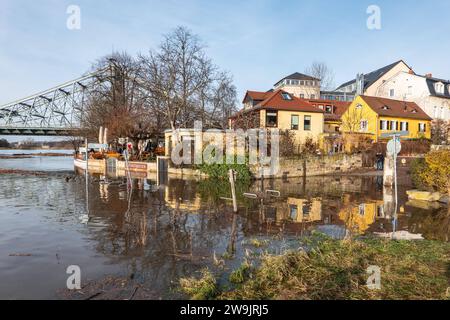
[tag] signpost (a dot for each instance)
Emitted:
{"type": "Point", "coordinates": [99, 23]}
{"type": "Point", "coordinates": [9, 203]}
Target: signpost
{"type": "Point", "coordinates": [394, 147]}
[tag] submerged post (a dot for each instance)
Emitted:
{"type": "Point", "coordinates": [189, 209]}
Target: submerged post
{"type": "Point", "coordinates": [87, 175]}
{"type": "Point", "coordinates": [233, 190]}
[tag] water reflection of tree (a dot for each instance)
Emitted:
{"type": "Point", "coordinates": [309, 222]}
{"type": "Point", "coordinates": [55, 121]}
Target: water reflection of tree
{"type": "Point", "coordinates": [212, 190]}
{"type": "Point", "coordinates": [432, 225]}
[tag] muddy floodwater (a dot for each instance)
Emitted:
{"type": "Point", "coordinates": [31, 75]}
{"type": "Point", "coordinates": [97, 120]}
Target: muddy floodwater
{"type": "Point", "coordinates": [156, 236]}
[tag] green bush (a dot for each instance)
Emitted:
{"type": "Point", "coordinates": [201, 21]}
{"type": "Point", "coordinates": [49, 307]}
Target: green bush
{"type": "Point", "coordinates": [220, 171]}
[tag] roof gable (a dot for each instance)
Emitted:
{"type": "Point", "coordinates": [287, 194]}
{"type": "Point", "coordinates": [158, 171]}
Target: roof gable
{"type": "Point", "coordinates": [371, 77]}
{"type": "Point", "coordinates": [256, 95]}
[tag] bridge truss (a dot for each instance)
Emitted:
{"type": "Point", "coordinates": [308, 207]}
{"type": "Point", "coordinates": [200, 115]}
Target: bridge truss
{"type": "Point", "coordinates": [55, 112]}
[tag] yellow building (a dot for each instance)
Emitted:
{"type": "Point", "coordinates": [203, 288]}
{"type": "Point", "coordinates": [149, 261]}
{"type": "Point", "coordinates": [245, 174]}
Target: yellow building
{"type": "Point", "coordinates": [375, 116]}
{"type": "Point", "coordinates": [282, 110]}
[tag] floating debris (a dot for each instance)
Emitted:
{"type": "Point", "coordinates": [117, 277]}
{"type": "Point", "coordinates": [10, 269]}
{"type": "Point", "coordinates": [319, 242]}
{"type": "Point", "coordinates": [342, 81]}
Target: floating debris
{"type": "Point", "coordinates": [399, 235]}
{"type": "Point", "coordinates": [20, 254]}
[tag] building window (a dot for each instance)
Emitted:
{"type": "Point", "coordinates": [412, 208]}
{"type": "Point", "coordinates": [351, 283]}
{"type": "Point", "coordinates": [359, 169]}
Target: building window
{"type": "Point", "coordinates": [380, 212]}
{"type": "Point", "coordinates": [383, 125]}
{"type": "Point", "coordinates": [439, 87]}
{"type": "Point", "coordinates": [359, 106]}
{"type": "Point", "coordinates": [394, 125]}
{"type": "Point", "coordinates": [302, 96]}
{"type": "Point", "coordinates": [329, 109]}
{"type": "Point", "coordinates": [409, 90]}
{"type": "Point", "coordinates": [435, 112]}
{"type": "Point", "coordinates": [306, 209]}
{"type": "Point", "coordinates": [302, 83]}
{"type": "Point", "coordinates": [422, 127]}
{"type": "Point", "coordinates": [405, 126]}
{"type": "Point", "coordinates": [271, 119]}
{"type": "Point", "coordinates": [391, 93]}
{"type": "Point", "coordinates": [286, 96]}
{"type": "Point", "coordinates": [293, 212]}
{"type": "Point", "coordinates": [313, 96]}
{"type": "Point", "coordinates": [363, 126]}
{"type": "Point", "coordinates": [362, 209]}
{"type": "Point", "coordinates": [307, 123]}
{"type": "Point", "coordinates": [294, 122]}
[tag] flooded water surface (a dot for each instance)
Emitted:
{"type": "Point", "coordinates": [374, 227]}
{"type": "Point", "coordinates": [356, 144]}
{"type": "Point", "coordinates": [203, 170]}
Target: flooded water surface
{"type": "Point", "coordinates": [156, 236]}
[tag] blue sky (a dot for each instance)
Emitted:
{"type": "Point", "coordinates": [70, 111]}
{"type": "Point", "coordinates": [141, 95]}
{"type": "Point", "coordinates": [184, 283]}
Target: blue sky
{"type": "Point", "coordinates": [257, 41]}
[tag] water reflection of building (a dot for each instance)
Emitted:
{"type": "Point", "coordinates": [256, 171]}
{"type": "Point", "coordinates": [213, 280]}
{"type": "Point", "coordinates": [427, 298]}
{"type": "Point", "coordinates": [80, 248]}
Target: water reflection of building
{"type": "Point", "coordinates": [358, 217]}
{"type": "Point", "coordinates": [303, 210]}
{"type": "Point", "coordinates": [294, 210]}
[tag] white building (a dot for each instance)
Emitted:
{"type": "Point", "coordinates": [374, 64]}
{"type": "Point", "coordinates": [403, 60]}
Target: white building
{"type": "Point", "coordinates": [431, 94]}
{"type": "Point", "coordinates": [300, 85]}
{"type": "Point", "coordinates": [366, 83]}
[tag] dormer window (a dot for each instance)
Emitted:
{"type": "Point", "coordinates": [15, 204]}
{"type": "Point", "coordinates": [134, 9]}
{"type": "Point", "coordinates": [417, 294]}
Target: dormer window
{"type": "Point", "coordinates": [439, 87]}
{"type": "Point", "coordinates": [385, 107]}
{"type": "Point", "coordinates": [286, 96]}
{"type": "Point", "coordinates": [414, 111]}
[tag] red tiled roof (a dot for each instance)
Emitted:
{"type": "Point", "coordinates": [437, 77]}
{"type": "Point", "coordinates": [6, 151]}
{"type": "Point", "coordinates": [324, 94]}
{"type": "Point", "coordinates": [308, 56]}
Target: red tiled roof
{"type": "Point", "coordinates": [276, 101]}
{"type": "Point", "coordinates": [257, 95]}
{"type": "Point", "coordinates": [395, 108]}
{"type": "Point", "coordinates": [339, 107]}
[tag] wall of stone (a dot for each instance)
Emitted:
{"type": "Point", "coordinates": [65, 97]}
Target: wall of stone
{"type": "Point", "coordinates": [315, 166]}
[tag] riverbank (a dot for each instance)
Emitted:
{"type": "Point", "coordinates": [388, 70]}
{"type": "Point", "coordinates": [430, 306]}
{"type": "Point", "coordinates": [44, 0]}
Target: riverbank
{"type": "Point", "coordinates": [31, 155]}
{"type": "Point", "coordinates": [337, 270]}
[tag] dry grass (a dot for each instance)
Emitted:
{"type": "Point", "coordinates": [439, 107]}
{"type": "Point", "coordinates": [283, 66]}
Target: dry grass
{"type": "Point", "coordinates": [338, 270]}
{"type": "Point", "coordinates": [203, 288]}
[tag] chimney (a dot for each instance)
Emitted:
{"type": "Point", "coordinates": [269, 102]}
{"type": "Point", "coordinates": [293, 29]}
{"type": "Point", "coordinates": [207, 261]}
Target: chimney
{"type": "Point", "coordinates": [411, 71]}
{"type": "Point", "coordinates": [429, 75]}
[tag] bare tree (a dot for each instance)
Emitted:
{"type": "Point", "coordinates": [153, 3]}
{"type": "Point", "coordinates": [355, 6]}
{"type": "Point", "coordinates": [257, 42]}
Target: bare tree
{"type": "Point", "coordinates": [170, 87]}
{"type": "Point", "coordinates": [351, 120]}
{"type": "Point", "coordinates": [440, 132]}
{"type": "Point", "coordinates": [117, 102]}
{"type": "Point", "coordinates": [321, 71]}
{"type": "Point", "coordinates": [183, 83]}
